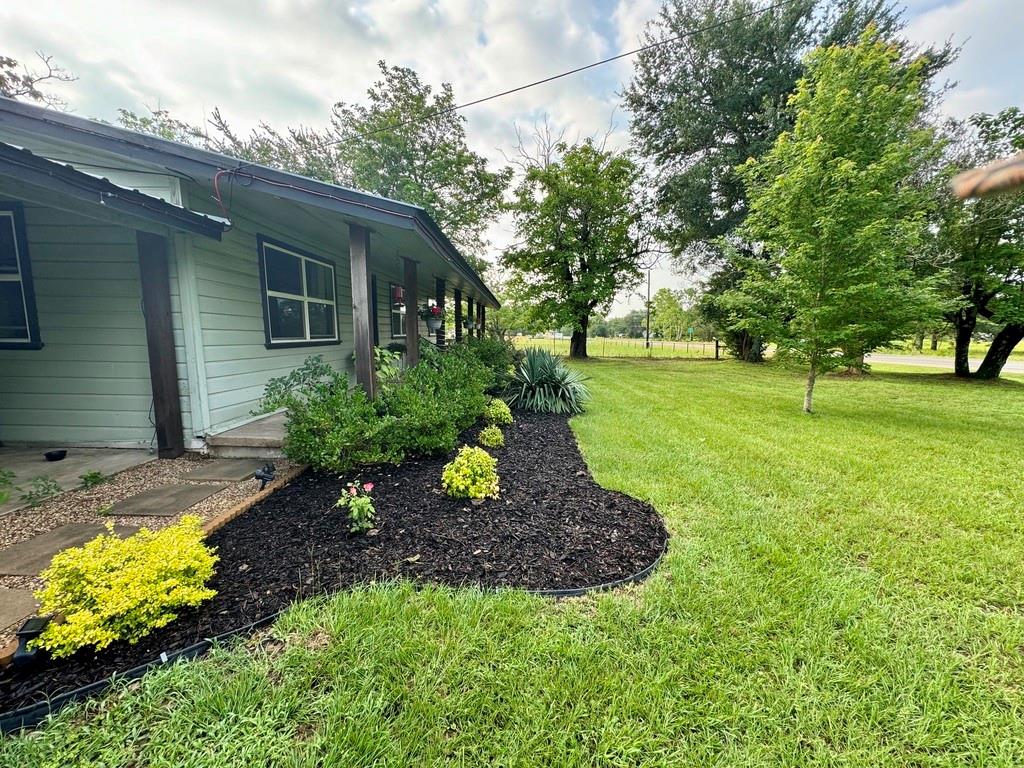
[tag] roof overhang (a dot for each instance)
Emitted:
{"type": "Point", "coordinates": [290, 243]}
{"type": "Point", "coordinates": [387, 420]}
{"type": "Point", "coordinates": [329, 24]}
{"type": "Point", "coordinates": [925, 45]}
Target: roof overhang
{"type": "Point", "coordinates": [200, 164]}
{"type": "Point", "coordinates": [63, 180]}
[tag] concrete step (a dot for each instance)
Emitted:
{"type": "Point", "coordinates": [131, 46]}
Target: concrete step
{"type": "Point", "coordinates": [244, 451]}
{"type": "Point", "coordinates": [259, 439]}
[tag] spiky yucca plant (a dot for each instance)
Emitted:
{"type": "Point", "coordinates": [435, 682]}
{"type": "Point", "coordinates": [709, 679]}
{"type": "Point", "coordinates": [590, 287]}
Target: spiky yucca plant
{"type": "Point", "coordinates": [543, 383]}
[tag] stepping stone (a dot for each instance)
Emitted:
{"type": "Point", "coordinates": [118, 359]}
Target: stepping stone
{"type": "Point", "coordinates": [16, 605]}
{"type": "Point", "coordinates": [164, 500]}
{"type": "Point", "coordinates": [227, 470]}
{"type": "Point", "coordinates": [29, 558]}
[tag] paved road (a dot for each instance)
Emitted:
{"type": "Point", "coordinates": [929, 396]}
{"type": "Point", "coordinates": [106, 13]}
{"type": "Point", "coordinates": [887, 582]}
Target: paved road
{"type": "Point", "coordinates": [1012, 366]}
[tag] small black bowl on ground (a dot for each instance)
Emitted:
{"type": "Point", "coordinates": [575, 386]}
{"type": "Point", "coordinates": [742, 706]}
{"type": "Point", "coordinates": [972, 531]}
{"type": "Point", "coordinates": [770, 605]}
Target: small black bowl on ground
{"type": "Point", "coordinates": [56, 454]}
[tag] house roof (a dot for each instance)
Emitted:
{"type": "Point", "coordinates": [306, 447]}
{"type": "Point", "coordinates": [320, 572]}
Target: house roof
{"type": "Point", "coordinates": [62, 179]}
{"type": "Point", "coordinates": [213, 167]}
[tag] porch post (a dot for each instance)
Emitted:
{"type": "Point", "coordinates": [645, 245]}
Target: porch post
{"type": "Point", "coordinates": [479, 319]}
{"type": "Point", "coordinates": [458, 315]}
{"type": "Point", "coordinates": [483, 319]}
{"type": "Point", "coordinates": [359, 254]}
{"type": "Point", "coordinates": [412, 319]}
{"type": "Point", "coordinates": [469, 313]}
{"type": "Point", "coordinates": [439, 289]}
{"type": "Point", "coordinates": [163, 365]}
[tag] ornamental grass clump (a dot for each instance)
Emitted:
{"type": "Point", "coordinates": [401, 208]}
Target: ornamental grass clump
{"type": "Point", "coordinates": [498, 412]}
{"type": "Point", "coordinates": [113, 589]}
{"type": "Point", "coordinates": [491, 437]}
{"type": "Point", "coordinates": [472, 474]}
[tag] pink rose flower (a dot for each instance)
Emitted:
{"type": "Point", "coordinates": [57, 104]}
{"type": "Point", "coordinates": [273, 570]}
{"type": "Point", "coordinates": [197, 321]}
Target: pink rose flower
{"type": "Point", "coordinates": [367, 487]}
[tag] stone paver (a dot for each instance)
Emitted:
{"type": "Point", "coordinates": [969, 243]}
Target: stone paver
{"type": "Point", "coordinates": [28, 558]}
{"type": "Point", "coordinates": [164, 500]}
{"type": "Point", "coordinates": [227, 470]}
{"type": "Point", "coordinates": [16, 605]}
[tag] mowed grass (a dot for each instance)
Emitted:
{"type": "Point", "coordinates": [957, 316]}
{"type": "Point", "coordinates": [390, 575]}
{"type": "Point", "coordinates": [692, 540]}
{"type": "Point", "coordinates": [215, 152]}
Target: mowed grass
{"type": "Point", "coordinates": [599, 346]}
{"type": "Point", "coordinates": [841, 589]}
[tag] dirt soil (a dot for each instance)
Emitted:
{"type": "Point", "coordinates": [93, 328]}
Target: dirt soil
{"type": "Point", "coordinates": [552, 527]}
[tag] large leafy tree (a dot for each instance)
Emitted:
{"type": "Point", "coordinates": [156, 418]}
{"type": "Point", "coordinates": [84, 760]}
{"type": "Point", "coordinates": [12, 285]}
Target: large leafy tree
{"type": "Point", "coordinates": [832, 206]}
{"type": "Point", "coordinates": [579, 233]}
{"type": "Point", "coordinates": [713, 97]}
{"type": "Point", "coordinates": [980, 243]}
{"type": "Point", "coordinates": [405, 141]}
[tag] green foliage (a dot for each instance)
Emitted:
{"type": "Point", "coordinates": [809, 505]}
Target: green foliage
{"type": "Point", "coordinates": [832, 204]}
{"type": "Point", "coordinates": [359, 505]}
{"type": "Point", "coordinates": [578, 230]}
{"type": "Point", "coordinates": [6, 485]}
{"type": "Point", "coordinates": [472, 474]}
{"type": "Point", "coordinates": [334, 427]}
{"type": "Point", "coordinates": [499, 355]}
{"type": "Point", "coordinates": [92, 478]}
{"type": "Point", "coordinates": [497, 412]}
{"type": "Point", "coordinates": [22, 82]}
{"type": "Point", "coordinates": [308, 379]}
{"type": "Point", "coordinates": [491, 436]}
{"type": "Point", "coordinates": [545, 384]}
{"type": "Point", "coordinates": [113, 589]}
{"type": "Point", "coordinates": [39, 490]}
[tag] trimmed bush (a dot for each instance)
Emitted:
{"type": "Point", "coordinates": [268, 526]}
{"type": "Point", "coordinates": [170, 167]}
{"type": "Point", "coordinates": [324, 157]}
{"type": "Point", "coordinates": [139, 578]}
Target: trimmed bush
{"type": "Point", "coordinates": [499, 355]}
{"type": "Point", "coordinates": [545, 384]}
{"type": "Point", "coordinates": [498, 412]}
{"type": "Point", "coordinates": [472, 474]}
{"type": "Point", "coordinates": [491, 437]}
{"type": "Point", "coordinates": [113, 589]}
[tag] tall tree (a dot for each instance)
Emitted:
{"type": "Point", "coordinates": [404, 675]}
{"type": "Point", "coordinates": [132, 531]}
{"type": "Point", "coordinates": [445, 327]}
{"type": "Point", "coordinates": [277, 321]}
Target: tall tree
{"type": "Point", "coordinates": [833, 207]}
{"type": "Point", "coordinates": [715, 96]}
{"type": "Point", "coordinates": [670, 319]}
{"type": "Point", "coordinates": [980, 243]}
{"type": "Point", "coordinates": [405, 142]}
{"type": "Point", "coordinates": [580, 237]}
{"type": "Point", "coordinates": [23, 82]}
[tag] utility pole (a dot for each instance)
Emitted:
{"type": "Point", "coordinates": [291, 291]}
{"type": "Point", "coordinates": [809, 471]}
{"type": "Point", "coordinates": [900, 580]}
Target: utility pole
{"type": "Point", "coordinates": [651, 265]}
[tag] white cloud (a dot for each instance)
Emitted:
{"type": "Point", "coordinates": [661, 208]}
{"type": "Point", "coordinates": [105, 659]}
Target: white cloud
{"type": "Point", "coordinates": [288, 61]}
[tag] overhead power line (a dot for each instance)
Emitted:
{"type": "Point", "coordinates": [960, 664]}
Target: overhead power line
{"type": "Point", "coordinates": [567, 73]}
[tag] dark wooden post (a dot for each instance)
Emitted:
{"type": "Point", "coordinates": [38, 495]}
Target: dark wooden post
{"type": "Point", "coordinates": [479, 318]}
{"type": "Point", "coordinates": [458, 315]}
{"type": "Point", "coordinates": [163, 365]}
{"type": "Point", "coordinates": [374, 311]}
{"type": "Point", "coordinates": [483, 319]}
{"type": "Point", "coordinates": [359, 255]}
{"type": "Point", "coordinates": [439, 288]}
{"type": "Point", "coordinates": [412, 319]}
{"type": "Point", "coordinates": [469, 312]}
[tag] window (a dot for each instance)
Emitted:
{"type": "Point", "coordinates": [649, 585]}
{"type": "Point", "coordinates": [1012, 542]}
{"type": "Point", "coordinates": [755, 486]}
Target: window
{"type": "Point", "coordinates": [397, 310]}
{"type": "Point", "coordinates": [19, 326]}
{"type": "Point", "coordinates": [299, 306]}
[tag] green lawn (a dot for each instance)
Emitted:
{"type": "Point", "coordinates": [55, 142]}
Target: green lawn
{"type": "Point", "coordinates": [842, 589]}
{"type": "Point", "coordinates": [598, 346]}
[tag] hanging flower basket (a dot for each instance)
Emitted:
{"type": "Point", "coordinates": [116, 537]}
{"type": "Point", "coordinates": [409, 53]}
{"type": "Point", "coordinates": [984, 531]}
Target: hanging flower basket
{"type": "Point", "coordinates": [432, 315]}
{"type": "Point", "coordinates": [469, 324]}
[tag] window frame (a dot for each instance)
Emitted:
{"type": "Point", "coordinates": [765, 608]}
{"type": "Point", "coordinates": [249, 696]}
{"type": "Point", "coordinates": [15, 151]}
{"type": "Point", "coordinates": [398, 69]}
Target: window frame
{"type": "Point", "coordinates": [266, 294]}
{"type": "Point", "coordinates": [16, 212]}
{"type": "Point", "coordinates": [394, 312]}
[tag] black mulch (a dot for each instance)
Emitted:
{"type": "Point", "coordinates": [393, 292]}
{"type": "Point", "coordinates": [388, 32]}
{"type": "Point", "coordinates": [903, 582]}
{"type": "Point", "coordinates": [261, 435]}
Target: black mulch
{"type": "Point", "coordinates": [553, 527]}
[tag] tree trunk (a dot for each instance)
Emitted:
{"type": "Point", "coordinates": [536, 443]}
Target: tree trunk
{"type": "Point", "coordinates": [578, 342]}
{"type": "Point", "coordinates": [812, 374]}
{"type": "Point", "coordinates": [748, 348]}
{"type": "Point", "coordinates": [935, 341]}
{"type": "Point", "coordinates": [999, 352]}
{"type": "Point", "coordinates": [964, 321]}
{"type": "Point", "coordinates": [919, 341]}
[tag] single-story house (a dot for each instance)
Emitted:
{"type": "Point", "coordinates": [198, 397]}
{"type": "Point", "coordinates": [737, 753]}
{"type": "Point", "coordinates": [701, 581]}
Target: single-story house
{"type": "Point", "coordinates": [149, 289]}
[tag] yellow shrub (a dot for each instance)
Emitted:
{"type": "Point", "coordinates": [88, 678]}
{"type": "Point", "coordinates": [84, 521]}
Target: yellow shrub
{"type": "Point", "coordinates": [498, 412]}
{"type": "Point", "coordinates": [472, 474]}
{"type": "Point", "coordinates": [491, 437]}
{"type": "Point", "coordinates": [121, 589]}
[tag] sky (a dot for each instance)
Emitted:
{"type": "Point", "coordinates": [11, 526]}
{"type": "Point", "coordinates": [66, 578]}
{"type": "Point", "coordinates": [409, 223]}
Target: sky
{"type": "Point", "coordinates": [286, 62]}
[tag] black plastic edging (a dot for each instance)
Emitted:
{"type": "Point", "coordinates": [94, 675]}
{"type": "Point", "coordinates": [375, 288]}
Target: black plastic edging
{"type": "Point", "coordinates": [33, 714]}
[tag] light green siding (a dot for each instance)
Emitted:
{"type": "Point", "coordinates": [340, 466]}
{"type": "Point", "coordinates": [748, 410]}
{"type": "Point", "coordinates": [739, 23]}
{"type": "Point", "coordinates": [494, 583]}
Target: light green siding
{"type": "Point", "coordinates": [89, 384]}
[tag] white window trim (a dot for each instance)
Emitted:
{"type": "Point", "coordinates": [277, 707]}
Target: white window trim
{"type": "Point", "coordinates": [17, 277]}
{"type": "Point", "coordinates": [304, 298]}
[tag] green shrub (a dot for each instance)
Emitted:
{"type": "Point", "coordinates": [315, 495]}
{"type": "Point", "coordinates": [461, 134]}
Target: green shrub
{"type": "Point", "coordinates": [357, 501]}
{"type": "Point", "coordinates": [472, 474]}
{"type": "Point", "coordinates": [336, 427]}
{"type": "Point", "coordinates": [92, 478]}
{"type": "Point", "coordinates": [421, 422]}
{"type": "Point", "coordinates": [499, 355]}
{"type": "Point", "coordinates": [498, 412]}
{"type": "Point", "coordinates": [306, 380]}
{"type": "Point", "coordinates": [491, 437]}
{"type": "Point", "coordinates": [121, 589]}
{"type": "Point", "coordinates": [39, 490]}
{"type": "Point", "coordinates": [543, 383]}
{"type": "Point", "coordinates": [6, 485]}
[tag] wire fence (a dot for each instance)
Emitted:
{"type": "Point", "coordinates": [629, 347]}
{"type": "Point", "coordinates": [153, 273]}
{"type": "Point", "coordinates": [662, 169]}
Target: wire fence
{"type": "Point", "coordinates": [600, 346]}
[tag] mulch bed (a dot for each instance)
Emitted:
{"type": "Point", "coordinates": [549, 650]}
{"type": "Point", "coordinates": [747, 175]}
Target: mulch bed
{"type": "Point", "coordinates": [552, 528]}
